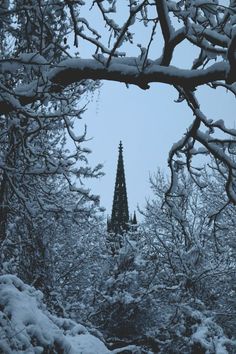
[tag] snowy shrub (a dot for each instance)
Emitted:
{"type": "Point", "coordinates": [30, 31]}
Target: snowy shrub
{"type": "Point", "coordinates": [124, 295]}
{"type": "Point", "coordinates": [192, 250]}
{"type": "Point", "coordinates": [194, 331]}
{"type": "Point", "coordinates": [26, 326]}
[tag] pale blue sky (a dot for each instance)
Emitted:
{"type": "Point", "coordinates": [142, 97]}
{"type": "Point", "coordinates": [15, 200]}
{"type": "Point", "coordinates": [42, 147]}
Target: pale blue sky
{"type": "Point", "coordinates": [148, 122]}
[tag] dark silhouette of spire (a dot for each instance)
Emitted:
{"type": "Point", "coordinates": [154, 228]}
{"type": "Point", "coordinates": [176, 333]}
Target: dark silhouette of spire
{"type": "Point", "coordinates": [134, 220]}
{"type": "Point", "coordinates": [133, 223]}
{"type": "Point", "coordinates": [120, 212]}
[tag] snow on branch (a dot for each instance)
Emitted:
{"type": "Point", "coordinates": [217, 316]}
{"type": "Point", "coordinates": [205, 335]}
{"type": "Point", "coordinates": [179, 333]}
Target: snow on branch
{"type": "Point", "coordinates": [39, 66]}
{"type": "Point", "coordinates": [125, 70]}
{"type": "Point", "coordinates": [222, 150]}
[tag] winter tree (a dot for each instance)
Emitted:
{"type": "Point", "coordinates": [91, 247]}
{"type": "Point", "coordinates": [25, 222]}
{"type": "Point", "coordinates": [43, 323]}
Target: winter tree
{"type": "Point", "coordinates": [194, 257]}
{"type": "Point", "coordinates": [44, 75]}
{"type": "Point", "coordinates": [169, 288]}
{"type": "Point", "coordinates": [39, 64]}
{"type": "Point", "coordinates": [41, 179]}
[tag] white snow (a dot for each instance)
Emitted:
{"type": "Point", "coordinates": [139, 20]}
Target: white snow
{"type": "Point", "coordinates": [26, 326]}
{"type": "Point", "coordinates": [86, 344]}
{"type": "Point", "coordinates": [210, 335]}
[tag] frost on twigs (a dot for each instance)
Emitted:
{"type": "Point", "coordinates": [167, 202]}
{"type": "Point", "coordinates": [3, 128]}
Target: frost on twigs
{"type": "Point", "coordinates": [208, 138]}
{"type": "Point", "coordinates": [132, 42]}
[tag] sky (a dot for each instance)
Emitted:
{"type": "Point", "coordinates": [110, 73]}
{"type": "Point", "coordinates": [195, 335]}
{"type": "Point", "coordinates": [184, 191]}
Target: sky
{"type": "Point", "coordinates": [148, 123]}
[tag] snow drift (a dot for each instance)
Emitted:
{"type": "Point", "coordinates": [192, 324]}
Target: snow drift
{"type": "Point", "coordinates": [26, 326]}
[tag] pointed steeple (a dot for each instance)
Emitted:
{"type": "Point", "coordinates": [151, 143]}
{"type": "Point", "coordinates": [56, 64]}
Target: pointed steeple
{"type": "Point", "coordinates": [134, 220]}
{"type": "Point", "coordinates": [120, 212]}
{"type": "Point", "coordinates": [133, 223]}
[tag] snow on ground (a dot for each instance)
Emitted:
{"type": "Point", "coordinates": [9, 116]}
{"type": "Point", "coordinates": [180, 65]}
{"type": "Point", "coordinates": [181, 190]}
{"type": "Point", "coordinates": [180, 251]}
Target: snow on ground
{"type": "Point", "coordinates": [27, 327]}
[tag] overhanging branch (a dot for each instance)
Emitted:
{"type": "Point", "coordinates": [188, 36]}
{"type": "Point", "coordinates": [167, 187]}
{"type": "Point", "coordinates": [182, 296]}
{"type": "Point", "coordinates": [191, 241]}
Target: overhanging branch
{"type": "Point", "coordinates": [124, 70]}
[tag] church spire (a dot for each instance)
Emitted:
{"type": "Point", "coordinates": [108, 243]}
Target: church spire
{"type": "Point", "coordinates": [120, 212]}
{"type": "Point", "coordinates": [134, 220]}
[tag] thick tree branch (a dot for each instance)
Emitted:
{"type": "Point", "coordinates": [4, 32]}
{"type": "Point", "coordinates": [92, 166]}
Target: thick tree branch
{"type": "Point", "coordinates": [231, 77]}
{"type": "Point", "coordinates": [125, 70]}
{"type": "Point", "coordinates": [163, 15]}
{"type": "Point", "coordinates": [168, 51]}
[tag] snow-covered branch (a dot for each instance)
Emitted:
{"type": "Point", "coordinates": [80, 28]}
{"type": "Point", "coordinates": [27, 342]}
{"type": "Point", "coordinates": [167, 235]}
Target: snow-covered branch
{"type": "Point", "coordinates": [125, 70]}
{"type": "Point", "coordinates": [39, 66]}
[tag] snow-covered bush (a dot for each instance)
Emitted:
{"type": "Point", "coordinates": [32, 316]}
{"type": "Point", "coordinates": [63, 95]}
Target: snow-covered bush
{"type": "Point", "coordinates": [193, 253]}
{"type": "Point", "coordinates": [26, 326]}
{"type": "Point", "coordinates": [193, 329]}
{"type": "Point", "coordinates": [79, 253]}
{"type": "Point", "coordinates": [124, 295]}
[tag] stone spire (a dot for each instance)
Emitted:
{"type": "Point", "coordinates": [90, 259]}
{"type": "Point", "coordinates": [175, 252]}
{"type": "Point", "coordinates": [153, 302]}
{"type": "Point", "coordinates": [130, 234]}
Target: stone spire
{"type": "Point", "coordinates": [120, 212]}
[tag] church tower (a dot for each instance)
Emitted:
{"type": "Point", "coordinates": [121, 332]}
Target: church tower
{"type": "Point", "coordinates": [118, 223]}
